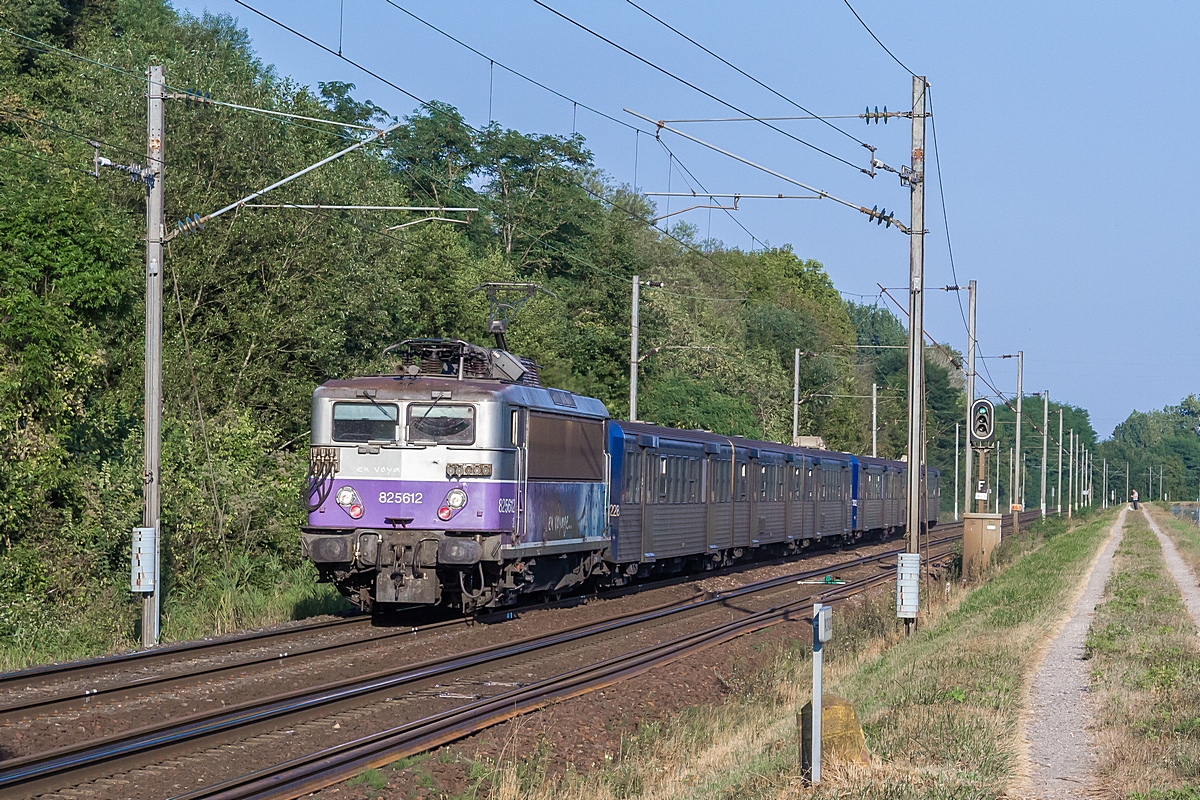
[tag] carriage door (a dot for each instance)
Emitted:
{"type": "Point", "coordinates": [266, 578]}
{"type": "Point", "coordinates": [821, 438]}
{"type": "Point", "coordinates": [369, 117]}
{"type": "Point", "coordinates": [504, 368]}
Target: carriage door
{"type": "Point", "coordinates": [517, 428]}
{"type": "Point", "coordinates": [654, 481]}
{"type": "Point", "coordinates": [709, 466]}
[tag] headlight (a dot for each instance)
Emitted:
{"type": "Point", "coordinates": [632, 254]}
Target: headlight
{"type": "Point", "coordinates": [456, 499]}
{"type": "Point", "coordinates": [349, 500]}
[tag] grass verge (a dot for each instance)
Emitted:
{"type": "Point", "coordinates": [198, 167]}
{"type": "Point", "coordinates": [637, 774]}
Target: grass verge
{"type": "Point", "coordinates": [40, 633]}
{"type": "Point", "coordinates": [1146, 675]}
{"type": "Point", "coordinates": [939, 708]}
{"type": "Point", "coordinates": [1184, 534]}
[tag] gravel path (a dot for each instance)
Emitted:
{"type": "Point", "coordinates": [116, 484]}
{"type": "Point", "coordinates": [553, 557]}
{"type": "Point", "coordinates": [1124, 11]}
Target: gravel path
{"type": "Point", "coordinates": [1056, 728]}
{"type": "Point", "coordinates": [1179, 570]}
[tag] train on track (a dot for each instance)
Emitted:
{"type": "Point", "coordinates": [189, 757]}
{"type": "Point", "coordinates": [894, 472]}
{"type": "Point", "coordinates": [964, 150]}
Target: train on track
{"type": "Point", "coordinates": [461, 480]}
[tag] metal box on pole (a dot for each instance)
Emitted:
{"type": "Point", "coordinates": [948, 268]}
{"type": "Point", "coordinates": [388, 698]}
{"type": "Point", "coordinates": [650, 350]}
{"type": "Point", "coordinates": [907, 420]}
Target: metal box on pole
{"type": "Point", "coordinates": [908, 583]}
{"type": "Point", "coordinates": [143, 564]}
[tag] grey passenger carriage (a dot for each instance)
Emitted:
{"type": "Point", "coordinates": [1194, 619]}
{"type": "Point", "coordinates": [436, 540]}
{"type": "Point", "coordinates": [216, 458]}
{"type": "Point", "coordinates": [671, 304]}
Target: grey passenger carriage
{"type": "Point", "coordinates": [461, 480]}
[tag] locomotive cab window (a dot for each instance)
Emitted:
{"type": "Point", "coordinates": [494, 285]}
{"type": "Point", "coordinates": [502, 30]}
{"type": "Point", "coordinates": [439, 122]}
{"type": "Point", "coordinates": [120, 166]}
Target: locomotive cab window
{"type": "Point", "coordinates": [441, 424]}
{"type": "Point", "coordinates": [365, 422]}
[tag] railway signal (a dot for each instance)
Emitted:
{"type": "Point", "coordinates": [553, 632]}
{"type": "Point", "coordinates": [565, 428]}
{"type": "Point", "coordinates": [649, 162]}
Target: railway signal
{"type": "Point", "coordinates": [983, 422]}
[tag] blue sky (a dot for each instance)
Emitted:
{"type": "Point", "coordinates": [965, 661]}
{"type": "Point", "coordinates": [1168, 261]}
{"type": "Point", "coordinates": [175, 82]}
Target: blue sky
{"type": "Point", "coordinates": [1064, 132]}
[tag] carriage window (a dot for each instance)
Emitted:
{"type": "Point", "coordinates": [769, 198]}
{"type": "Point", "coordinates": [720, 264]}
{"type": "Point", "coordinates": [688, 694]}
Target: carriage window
{"type": "Point", "coordinates": [632, 492]}
{"type": "Point", "coordinates": [364, 422]}
{"type": "Point", "coordinates": [441, 424]}
{"type": "Point", "coordinates": [719, 477]}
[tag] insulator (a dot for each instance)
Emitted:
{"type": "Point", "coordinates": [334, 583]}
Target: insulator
{"type": "Point", "coordinates": [189, 225]}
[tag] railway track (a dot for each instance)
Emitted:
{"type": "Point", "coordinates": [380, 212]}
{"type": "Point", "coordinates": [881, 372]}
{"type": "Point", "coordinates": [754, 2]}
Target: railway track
{"type": "Point", "coordinates": [80, 763]}
{"type": "Point", "coordinates": [61, 688]}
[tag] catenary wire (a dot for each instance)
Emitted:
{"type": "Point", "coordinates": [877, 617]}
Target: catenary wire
{"type": "Point", "coordinates": [743, 73]}
{"type": "Point", "coordinates": [509, 69]}
{"type": "Point", "coordinates": [52, 49]}
{"type": "Point", "coordinates": [937, 160]}
{"type": "Point", "coordinates": [81, 136]}
{"type": "Point", "coordinates": [867, 28]}
{"type": "Point", "coordinates": [688, 173]}
{"type": "Point", "coordinates": [608, 201]}
{"type": "Point", "coordinates": [693, 86]}
{"type": "Point", "coordinates": [54, 161]}
{"type": "Point", "coordinates": [45, 47]}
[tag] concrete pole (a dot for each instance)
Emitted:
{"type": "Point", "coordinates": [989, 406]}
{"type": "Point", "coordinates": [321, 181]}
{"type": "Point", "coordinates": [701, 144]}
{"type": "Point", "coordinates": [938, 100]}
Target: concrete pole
{"type": "Point", "coordinates": [997, 478]}
{"type": "Point", "coordinates": [151, 494]}
{"type": "Point", "coordinates": [916, 320]}
{"type": "Point", "coordinates": [957, 464]}
{"type": "Point", "coordinates": [633, 351]}
{"type": "Point", "coordinates": [1045, 445]}
{"type": "Point", "coordinates": [1018, 495]}
{"type": "Point", "coordinates": [874, 414]}
{"type": "Point", "coordinates": [1071, 477]}
{"type": "Point", "coordinates": [796, 401]}
{"type": "Point", "coordinates": [970, 451]}
{"type": "Point", "coordinates": [1104, 504]}
{"type": "Point", "coordinates": [1060, 455]}
{"type": "Point", "coordinates": [1012, 484]}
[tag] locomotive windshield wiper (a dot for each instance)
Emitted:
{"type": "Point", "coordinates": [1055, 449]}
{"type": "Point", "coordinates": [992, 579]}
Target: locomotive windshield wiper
{"type": "Point", "coordinates": [370, 396]}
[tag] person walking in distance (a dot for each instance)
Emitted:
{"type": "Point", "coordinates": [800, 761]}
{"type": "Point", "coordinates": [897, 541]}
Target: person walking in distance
{"type": "Point", "coordinates": [1134, 497]}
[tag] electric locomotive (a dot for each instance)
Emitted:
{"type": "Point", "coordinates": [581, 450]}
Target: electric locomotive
{"type": "Point", "coordinates": [461, 480]}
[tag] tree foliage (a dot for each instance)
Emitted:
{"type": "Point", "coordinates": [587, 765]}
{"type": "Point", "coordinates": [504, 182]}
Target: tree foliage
{"type": "Point", "coordinates": [265, 304]}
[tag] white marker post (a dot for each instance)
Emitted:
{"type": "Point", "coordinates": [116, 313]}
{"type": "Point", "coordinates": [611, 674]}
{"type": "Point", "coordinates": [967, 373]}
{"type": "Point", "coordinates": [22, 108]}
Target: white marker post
{"type": "Point", "coordinates": [822, 632]}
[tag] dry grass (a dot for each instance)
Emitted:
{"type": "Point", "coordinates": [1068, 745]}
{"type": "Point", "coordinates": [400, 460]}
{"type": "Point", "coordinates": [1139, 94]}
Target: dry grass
{"type": "Point", "coordinates": [939, 708]}
{"type": "Point", "coordinates": [1146, 676]}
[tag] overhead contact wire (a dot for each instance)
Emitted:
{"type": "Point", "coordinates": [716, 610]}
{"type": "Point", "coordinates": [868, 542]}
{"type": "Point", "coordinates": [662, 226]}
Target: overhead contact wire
{"type": "Point", "coordinates": [608, 201]}
{"type": "Point", "coordinates": [693, 86]}
{"type": "Point", "coordinates": [742, 72]}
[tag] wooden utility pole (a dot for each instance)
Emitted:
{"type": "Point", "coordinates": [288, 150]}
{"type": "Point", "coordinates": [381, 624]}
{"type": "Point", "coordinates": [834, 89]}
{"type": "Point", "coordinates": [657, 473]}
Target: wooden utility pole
{"type": "Point", "coordinates": [152, 434]}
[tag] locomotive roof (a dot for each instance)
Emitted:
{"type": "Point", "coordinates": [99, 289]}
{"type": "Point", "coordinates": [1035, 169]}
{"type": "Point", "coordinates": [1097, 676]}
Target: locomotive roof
{"type": "Point", "coordinates": [425, 388]}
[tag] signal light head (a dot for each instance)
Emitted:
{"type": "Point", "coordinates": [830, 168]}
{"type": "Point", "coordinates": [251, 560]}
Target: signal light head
{"type": "Point", "coordinates": [983, 421]}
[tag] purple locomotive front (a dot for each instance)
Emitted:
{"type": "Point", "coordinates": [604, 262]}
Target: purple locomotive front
{"type": "Point", "coordinates": [457, 480]}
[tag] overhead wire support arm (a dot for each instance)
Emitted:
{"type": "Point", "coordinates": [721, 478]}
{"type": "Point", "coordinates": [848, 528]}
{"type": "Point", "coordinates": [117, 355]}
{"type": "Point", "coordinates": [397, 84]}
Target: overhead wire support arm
{"type": "Point", "coordinates": [870, 116]}
{"type": "Point", "coordinates": [195, 222]}
{"type": "Point", "coordinates": [323, 207]}
{"type": "Point", "coordinates": [734, 195]}
{"type": "Point", "coordinates": [880, 217]}
{"type": "Point", "coordinates": [718, 207]}
{"type": "Point", "coordinates": [204, 98]}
